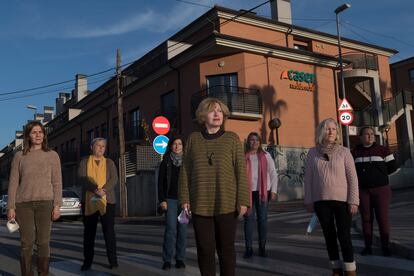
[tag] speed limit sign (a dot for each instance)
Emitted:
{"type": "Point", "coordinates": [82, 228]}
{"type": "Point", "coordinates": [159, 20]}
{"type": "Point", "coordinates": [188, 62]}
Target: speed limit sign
{"type": "Point", "coordinates": [346, 117]}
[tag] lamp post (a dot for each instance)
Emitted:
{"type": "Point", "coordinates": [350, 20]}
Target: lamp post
{"type": "Point", "coordinates": [342, 92]}
{"type": "Point", "coordinates": [33, 108]}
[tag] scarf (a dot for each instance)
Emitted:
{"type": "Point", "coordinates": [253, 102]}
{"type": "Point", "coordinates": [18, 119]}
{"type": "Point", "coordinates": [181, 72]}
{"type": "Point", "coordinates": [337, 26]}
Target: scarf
{"type": "Point", "coordinates": [262, 175]}
{"type": "Point", "coordinates": [176, 159]}
{"type": "Point", "coordinates": [327, 150]}
{"type": "Point", "coordinates": [96, 173]}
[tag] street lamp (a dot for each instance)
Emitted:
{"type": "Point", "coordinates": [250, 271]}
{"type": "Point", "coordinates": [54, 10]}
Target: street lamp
{"type": "Point", "coordinates": [338, 10]}
{"type": "Point", "coordinates": [33, 108]}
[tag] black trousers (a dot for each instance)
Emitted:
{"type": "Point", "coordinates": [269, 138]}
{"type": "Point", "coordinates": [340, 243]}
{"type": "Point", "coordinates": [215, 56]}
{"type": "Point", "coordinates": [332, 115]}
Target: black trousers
{"type": "Point", "coordinates": [89, 233]}
{"type": "Point", "coordinates": [335, 221]}
{"type": "Point", "coordinates": [211, 232]}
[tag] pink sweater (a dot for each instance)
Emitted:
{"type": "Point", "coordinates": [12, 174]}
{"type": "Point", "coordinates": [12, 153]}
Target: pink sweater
{"type": "Point", "coordinates": [335, 179]}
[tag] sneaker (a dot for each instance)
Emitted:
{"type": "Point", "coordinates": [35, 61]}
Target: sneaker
{"type": "Point", "coordinates": [166, 266]}
{"type": "Point", "coordinates": [179, 264]}
{"type": "Point", "coordinates": [248, 253]}
{"type": "Point", "coordinates": [386, 252]}
{"type": "Point", "coordinates": [366, 251]}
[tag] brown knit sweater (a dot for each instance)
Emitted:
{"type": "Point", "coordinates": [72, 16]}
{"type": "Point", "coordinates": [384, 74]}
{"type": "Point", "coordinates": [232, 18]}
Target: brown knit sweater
{"type": "Point", "coordinates": [35, 176]}
{"type": "Point", "coordinates": [220, 186]}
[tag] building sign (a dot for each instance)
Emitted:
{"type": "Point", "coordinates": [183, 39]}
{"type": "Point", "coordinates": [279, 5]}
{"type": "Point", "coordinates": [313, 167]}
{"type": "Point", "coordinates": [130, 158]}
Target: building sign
{"type": "Point", "coordinates": [300, 80]}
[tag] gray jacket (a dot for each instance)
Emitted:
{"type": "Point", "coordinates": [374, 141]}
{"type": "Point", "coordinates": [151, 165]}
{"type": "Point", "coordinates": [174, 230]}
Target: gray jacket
{"type": "Point", "coordinates": [111, 180]}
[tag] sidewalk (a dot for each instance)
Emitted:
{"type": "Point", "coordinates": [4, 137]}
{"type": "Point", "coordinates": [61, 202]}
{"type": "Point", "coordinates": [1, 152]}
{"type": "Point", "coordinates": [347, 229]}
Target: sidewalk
{"type": "Point", "coordinates": [402, 224]}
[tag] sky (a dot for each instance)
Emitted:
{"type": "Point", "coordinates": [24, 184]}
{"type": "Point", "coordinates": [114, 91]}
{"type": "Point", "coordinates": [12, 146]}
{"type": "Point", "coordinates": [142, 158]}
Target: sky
{"type": "Point", "coordinates": [45, 42]}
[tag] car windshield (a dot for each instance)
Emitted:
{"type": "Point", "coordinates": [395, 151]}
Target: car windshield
{"type": "Point", "coordinates": [69, 194]}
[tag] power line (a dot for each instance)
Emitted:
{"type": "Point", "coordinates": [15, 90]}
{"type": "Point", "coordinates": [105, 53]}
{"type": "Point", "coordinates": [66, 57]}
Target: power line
{"type": "Point", "coordinates": [194, 4]}
{"type": "Point", "coordinates": [379, 34]}
{"type": "Point", "coordinates": [53, 91]}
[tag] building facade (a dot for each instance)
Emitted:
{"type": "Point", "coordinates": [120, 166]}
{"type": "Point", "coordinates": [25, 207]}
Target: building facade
{"type": "Point", "coordinates": [261, 68]}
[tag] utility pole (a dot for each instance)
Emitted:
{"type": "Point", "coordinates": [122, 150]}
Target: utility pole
{"type": "Point", "coordinates": [122, 177]}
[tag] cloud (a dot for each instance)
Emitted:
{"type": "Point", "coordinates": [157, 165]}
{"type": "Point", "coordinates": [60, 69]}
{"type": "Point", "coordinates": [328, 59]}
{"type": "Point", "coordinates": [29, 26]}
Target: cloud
{"type": "Point", "coordinates": [149, 20]}
{"type": "Point", "coordinates": [132, 24]}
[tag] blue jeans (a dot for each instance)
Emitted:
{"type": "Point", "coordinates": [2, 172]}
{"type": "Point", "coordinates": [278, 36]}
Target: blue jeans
{"type": "Point", "coordinates": [259, 209]}
{"type": "Point", "coordinates": [175, 234]}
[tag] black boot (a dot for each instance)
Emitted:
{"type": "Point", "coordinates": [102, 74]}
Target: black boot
{"type": "Point", "coordinates": [262, 250]}
{"type": "Point", "coordinates": [248, 253]}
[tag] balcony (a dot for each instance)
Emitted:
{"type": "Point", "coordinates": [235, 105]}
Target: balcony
{"type": "Point", "coordinates": [243, 103]}
{"type": "Point", "coordinates": [362, 61]}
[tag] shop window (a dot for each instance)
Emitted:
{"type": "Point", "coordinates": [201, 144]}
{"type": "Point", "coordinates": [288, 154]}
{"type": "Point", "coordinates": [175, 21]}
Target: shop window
{"type": "Point", "coordinates": [222, 83]}
{"type": "Point", "coordinates": [411, 75]}
{"type": "Point", "coordinates": [169, 107]}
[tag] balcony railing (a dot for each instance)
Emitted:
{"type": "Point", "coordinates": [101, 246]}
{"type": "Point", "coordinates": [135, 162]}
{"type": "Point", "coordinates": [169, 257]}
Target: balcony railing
{"type": "Point", "coordinates": [237, 99]}
{"type": "Point", "coordinates": [362, 61]}
{"type": "Point", "coordinates": [390, 108]}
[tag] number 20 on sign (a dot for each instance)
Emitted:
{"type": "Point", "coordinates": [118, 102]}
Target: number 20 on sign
{"type": "Point", "coordinates": [346, 117]}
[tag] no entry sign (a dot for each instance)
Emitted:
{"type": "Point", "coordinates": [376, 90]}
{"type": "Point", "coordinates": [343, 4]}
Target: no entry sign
{"type": "Point", "coordinates": [346, 117]}
{"type": "Point", "coordinates": [161, 125]}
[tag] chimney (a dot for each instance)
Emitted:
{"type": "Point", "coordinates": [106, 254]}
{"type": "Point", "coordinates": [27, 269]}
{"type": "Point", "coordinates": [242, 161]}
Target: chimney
{"type": "Point", "coordinates": [60, 102]}
{"type": "Point", "coordinates": [19, 134]}
{"type": "Point", "coordinates": [281, 11]}
{"type": "Point", "coordinates": [81, 87]}
{"type": "Point", "coordinates": [47, 113]}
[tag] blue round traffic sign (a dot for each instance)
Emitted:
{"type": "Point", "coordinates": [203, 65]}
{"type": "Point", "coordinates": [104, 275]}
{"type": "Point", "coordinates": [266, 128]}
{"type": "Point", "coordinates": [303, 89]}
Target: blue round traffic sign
{"type": "Point", "coordinates": [160, 144]}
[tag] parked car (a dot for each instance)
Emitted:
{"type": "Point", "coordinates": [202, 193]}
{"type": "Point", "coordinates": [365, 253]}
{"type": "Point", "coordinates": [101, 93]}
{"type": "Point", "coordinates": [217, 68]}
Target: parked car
{"type": "Point", "coordinates": [71, 204]}
{"type": "Point", "coordinates": [3, 205]}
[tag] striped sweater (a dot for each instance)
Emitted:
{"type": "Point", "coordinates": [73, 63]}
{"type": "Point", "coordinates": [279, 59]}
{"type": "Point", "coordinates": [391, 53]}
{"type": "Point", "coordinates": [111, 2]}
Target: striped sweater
{"type": "Point", "coordinates": [213, 175]}
{"type": "Point", "coordinates": [334, 179]}
{"type": "Point", "coordinates": [373, 165]}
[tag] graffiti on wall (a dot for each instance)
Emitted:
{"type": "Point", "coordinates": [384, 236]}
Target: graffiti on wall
{"type": "Point", "coordinates": [290, 166]}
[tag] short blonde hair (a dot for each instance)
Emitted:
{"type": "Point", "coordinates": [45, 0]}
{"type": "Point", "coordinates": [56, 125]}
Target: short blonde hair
{"type": "Point", "coordinates": [206, 106]}
{"type": "Point", "coordinates": [320, 130]}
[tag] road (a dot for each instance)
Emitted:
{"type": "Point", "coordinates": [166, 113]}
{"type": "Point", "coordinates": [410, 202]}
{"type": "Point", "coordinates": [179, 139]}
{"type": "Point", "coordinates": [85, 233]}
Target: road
{"type": "Point", "coordinates": [290, 251]}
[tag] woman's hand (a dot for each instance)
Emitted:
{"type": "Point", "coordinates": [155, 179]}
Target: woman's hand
{"type": "Point", "coordinates": [100, 192]}
{"type": "Point", "coordinates": [56, 213]}
{"type": "Point", "coordinates": [185, 206]}
{"type": "Point", "coordinates": [11, 214]}
{"type": "Point", "coordinates": [242, 211]}
{"type": "Point", "coordinates": [164, 205]}
{"type": "Point", "coordinates": [309, 208]}
{"type": "Point", "coordinates": [273, 196]}
{"type": "Point", "coordinates": [353, 209]}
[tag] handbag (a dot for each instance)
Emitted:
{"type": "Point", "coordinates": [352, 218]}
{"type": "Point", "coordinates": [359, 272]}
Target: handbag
{"type": "Point", "coordinates": [312, 224]}
{"type": "Point", "coordinates": [12, 226]}
{"type": "Point", "coordinates": [184, 216]}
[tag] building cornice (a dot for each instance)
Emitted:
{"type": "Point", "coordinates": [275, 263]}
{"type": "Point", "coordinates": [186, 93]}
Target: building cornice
{"type": "Point", "coordinates": [328, 38]}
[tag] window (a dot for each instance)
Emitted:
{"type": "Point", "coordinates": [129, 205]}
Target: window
{"type": "Point", "coordinates": [115, 130]}
{"type": "Point", "coordinates": [222, 83]}
{"type": "Point", "coordinates": [72, 146]}
{"type": "Point", "coordinates": [169, 107]}
{"type": "Point", "coordinates": [89, 136]}
{"type": "Point", "coordinates": [411, 75]}
{"type": "Point", "coordinates": [134, 129]}
{"type": "Point", "coordinates": [97, 131]}
{"type": "Point", "coordinates": [104, 130]}
{"type": "Point", "coordinates": [301, 44]}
